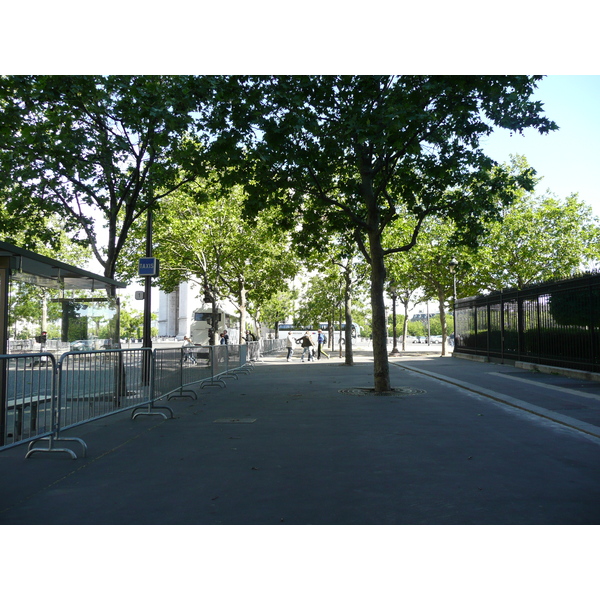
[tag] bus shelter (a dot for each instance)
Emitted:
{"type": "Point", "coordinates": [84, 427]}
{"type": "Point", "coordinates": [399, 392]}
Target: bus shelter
{"type": "Point", "coordinates": [77, 312]}
{"type": "Point", "coordinates": [82, 298]}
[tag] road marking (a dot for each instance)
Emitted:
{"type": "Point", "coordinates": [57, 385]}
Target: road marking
{"type": "Point", "coordinates": [555, 388]}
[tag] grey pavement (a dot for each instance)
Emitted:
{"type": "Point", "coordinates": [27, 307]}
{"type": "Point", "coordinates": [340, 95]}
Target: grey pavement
{"type": "Point", "coordinates": [458, 442]}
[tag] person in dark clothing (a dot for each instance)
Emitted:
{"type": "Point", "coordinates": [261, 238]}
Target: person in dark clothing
{"type": "Point", "coordinates": [307, 345]}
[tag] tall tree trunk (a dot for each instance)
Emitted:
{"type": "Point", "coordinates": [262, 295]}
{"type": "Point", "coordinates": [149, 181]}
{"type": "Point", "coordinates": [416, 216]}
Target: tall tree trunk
{"type": "Point", "coordinates": [442, 301]}
{"type": "Point", "coordinates": [243, 312]}
{"type": "Point", "coordinates": [405, 325]}
{"type": "Point", "coordinates": [381, 367]}
{"type": "Point", "coordinates": [348, 314]}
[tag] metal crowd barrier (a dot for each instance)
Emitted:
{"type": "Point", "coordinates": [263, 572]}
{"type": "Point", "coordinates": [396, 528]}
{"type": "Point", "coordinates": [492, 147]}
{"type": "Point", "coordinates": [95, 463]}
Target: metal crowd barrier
{"type": "Point", "coordinates": [272, 345]}
{"type": "Point", "coordinates": [174, 369]}
{"type": "Point", "coordinates": [28, 397]}
{"type": "Point", "coordinates": [177, 369]}
{"type": "Point", "coordinates": [98, 383]}
{"type": "Point", "coordinates": [41, 396]}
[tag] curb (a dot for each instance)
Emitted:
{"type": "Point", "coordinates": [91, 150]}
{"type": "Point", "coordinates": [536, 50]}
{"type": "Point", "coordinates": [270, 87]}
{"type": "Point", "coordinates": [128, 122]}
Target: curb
{"type": "Point", "coordinates": [580, 426]}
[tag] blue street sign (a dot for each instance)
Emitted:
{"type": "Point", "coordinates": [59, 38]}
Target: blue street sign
{"type": "Point", "coordinates": [148, 267]}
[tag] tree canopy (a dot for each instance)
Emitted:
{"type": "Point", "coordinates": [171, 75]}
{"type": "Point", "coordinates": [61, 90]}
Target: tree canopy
{"type": "Point", "coordinates": [335, 154]}
{"type": "Point", "coordinates": [200, 236]}
{"type": "Point", "coordinates": [95, 149]}
{"type": "Point", "coordinates": [538, 239]}
{"type": "Point", "coordinates": [349, 151]}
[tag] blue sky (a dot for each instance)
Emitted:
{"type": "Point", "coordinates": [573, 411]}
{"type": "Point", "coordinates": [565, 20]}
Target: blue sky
{"type": "Point", "coordinates": [567, 159]}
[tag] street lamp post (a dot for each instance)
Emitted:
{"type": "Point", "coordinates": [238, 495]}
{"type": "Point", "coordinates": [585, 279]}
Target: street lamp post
{"type": "Point", "coordinates": [147, 326]}
{"type": "Point", "coordinates": [428, 324]}
{"type": "Point", "coordinates": [452, 267]}
{"type": "Point", "coordinates": [395, 351]}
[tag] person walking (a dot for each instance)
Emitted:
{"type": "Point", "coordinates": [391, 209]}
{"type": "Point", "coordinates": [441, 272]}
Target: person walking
{"type": "Point", "coordinates": [307, 345]}
{"type": "Point", "coordinates": [289, 343]}
{"type": "Point", "coordinates": [320, 341]}
{"type": "Point", "coordinates": [250, 337]}
{"type": "Point", "coordinates": [188, 355]}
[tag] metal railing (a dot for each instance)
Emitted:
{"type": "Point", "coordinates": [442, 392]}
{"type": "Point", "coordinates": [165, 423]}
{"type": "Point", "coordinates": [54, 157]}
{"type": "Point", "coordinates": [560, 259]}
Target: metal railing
{"type": "Point", "coordinates": [556, 324]}
{"type": "Point", "coordinates": [41, 396]}
{"type": "Point", "coordinates": [28, 409]}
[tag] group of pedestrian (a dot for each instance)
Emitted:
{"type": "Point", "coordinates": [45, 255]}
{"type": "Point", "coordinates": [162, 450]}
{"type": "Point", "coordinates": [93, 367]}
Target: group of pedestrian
{"type": "Point", "coordinates": [223, 338]}
{"type": "Point", "coordinates": [308, 346]}
{"type": "Point", "coordinates": [189, 348]}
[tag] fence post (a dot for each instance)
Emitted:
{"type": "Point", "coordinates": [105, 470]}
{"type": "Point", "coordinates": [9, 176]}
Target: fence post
{"type": "Point", "coordinates": [55, 408]}
{"type": "Point", "coordinates": [213, 358]}
{"type": "Point", "coordinates": [4, 285]}
{"type": "Point", "coordinates": [149, 359]}
{"type": "Point", "coordinates": [520, 326]}
{"type": "Point", "coordinates": [593, 326]}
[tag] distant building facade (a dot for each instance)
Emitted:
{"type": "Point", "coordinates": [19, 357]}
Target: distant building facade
{"type": "Point", "coordinates": [175, 310]}
{"type": "Point", "coordinates": [423, 316]}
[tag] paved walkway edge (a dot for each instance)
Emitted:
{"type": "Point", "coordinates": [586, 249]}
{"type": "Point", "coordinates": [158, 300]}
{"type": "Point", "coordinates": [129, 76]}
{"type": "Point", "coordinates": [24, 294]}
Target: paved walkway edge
{"type": "Point", "coordinates": [528, 366]}
{"type": "Point", "coordinates": [514, 402]}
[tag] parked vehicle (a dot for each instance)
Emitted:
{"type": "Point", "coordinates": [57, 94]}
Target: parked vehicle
{"type": "Point", "coordinates": [202, 325]}
{"type": "Point", "coordinates": [82, 345]}
{"type": "Point", "coordinates": [88, 345]}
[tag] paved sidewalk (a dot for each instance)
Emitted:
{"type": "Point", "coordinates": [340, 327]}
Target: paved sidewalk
{"type": "Point", "coordinates": [293, 443]}
{"type": "Point", "coordinates": [572, 402]}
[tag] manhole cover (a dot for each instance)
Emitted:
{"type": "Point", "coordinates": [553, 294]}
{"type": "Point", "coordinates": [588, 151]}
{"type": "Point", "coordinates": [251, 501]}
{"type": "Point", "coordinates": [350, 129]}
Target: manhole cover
{"type": "Point", "coordinates": [243, 420]}
{"type": "Point", "coordinates": [399, 391]}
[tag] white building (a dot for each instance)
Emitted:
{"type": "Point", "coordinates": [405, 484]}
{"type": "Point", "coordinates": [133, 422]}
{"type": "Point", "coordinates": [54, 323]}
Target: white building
{"type": "Point", "coordinates": [175, 310]}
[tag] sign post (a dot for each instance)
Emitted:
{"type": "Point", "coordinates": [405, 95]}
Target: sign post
{"type": "Point", "coordinates": [148, 268]}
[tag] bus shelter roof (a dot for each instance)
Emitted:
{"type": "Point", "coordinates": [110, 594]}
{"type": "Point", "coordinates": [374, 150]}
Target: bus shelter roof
{"type": "Point", "coordinates": [40, 270]}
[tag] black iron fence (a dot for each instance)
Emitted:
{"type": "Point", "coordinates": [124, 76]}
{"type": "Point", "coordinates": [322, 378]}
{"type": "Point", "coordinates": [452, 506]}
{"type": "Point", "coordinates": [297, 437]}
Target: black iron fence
{"type": "Point", "coordinates": [555, 323]}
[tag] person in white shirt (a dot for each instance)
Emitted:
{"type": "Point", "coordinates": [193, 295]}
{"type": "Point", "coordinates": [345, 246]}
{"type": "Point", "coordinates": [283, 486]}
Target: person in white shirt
{"type": "Point", "coordinates": [289, 344]}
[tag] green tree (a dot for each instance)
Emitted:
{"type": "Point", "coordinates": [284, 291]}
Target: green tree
{"type": "Point", "coordinates": [417, 328]}
{"type": "Point", "coordinates": [96, 149]}
{"type": "Point", "coordinates": [331, 292]}
{"type": "Point", "coordinates": [354, 273]}
{"type": "Point", "coordinates": [320, 297]}
{"type": "Point", "coordinates": [429, 262]}
{"type": "Point", "coordinates": [350, 151]}
{"type": "Point", "coordinates": [425, 273]}
{"type": "Point", "coordinates": [210, 243]}
{"type": "Point", "coordinates": [538, 239]}
{"type": "Point", "coordinates": [361, 316]}
{"type": "Point", "coordinates": [132, 322]}
{"type": "Point", "coordinates": [278, 307]}
{"type": "Point", "coordinates": [402, 282]}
